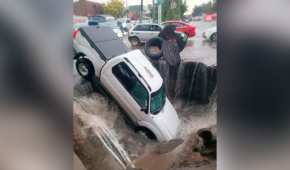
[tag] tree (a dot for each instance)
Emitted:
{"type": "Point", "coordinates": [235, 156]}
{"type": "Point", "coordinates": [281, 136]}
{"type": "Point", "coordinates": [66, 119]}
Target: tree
{"type": "Point", "coordinates": [209, 7]}
{"type": "Point", "coordinates": [173, 9]}
{"type": "Point", "coordinates": [114, 8]}
{"type": "Point", "coordinates": [153, 11]}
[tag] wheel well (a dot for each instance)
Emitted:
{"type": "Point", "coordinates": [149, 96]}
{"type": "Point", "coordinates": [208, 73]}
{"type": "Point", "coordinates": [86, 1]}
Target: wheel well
{"type": "Point", "coordinates": [149, 133]}
{"type": "Point", "coordinates": [78, 55]}
{"type": "Point", "coordinates": [87, 60]}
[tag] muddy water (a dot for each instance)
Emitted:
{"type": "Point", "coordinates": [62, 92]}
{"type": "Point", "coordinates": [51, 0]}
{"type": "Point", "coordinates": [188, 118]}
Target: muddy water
{"type": "Point", "coordinates": [188, 81]}
{"type": "Point", "coordinates": [106, 110]}
{"type": "Point", "coordinates": [193, 117]}
{"type": "Point", "coordinates": [91, 129]}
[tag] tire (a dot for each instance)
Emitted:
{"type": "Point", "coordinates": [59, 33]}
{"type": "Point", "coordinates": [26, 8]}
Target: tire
{"type": "Point", "coordinates": [153, 42]}
{"type": "Point", "coordinates": [213, 37]}
{"type": "Point", "coordinates": [147, 132]}
{"type": "Point", "coordinates": [134, 41]}
{"type": "Point", "coordinates": [85, 68]}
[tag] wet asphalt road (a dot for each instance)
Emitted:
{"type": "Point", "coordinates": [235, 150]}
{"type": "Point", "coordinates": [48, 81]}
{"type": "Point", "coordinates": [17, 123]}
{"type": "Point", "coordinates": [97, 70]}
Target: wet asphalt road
{"type": "Point", "coordinates": [198, 49]}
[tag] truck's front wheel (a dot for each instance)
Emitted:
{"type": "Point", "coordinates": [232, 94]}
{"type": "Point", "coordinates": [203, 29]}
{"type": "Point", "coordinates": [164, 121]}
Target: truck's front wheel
{"type": "Point", "coordinates": [85, 68]}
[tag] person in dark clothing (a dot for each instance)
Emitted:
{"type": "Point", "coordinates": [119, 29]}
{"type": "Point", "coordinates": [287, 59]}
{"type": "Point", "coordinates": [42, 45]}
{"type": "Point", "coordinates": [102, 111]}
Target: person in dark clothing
{"type": "Point", "coordinates": [168, 32]}
{"type": "Point", "coordinates": [171, 56]}
{"type": "Point", "coordinates": [170, 47]}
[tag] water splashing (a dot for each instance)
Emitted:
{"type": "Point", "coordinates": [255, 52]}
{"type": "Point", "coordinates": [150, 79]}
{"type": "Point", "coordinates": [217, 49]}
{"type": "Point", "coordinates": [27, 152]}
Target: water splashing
{"type": "Point", "coordinates": [106, 136]}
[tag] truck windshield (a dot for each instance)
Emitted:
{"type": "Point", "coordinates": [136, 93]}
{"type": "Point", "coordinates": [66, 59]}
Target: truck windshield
{"type": "Point", "coordinates": [157, 100]}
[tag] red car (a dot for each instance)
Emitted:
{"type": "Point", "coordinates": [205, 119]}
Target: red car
{"type": "Point", "coordinates": [186, 28]}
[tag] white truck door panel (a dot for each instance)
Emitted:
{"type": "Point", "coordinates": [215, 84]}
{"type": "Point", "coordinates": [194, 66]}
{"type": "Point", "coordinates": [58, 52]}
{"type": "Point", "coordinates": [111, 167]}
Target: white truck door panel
{"type": "Point", "coordinates": [118, 91]}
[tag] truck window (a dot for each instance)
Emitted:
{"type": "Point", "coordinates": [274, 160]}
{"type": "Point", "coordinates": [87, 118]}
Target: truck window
{"type": "Point", "coordinates": [130, 82]}
{"type": "Point", "coordinates": [157, 100]}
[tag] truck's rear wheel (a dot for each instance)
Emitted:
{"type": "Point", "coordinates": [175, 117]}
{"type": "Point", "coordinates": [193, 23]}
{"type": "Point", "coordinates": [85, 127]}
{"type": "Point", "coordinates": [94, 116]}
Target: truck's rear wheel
{"type": "Point", "coordinates": [85, 68]}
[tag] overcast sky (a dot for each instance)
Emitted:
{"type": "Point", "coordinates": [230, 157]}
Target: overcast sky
{"type": "Point", "coordinates": [190, 3]}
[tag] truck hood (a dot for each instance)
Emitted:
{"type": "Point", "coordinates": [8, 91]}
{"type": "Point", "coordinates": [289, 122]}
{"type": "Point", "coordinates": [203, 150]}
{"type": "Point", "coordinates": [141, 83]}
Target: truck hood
{"type": "Point", "coordinates": [167, 121]}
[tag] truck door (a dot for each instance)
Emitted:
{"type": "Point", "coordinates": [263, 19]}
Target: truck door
{"type": "Point", "coordinates": [131, 94]}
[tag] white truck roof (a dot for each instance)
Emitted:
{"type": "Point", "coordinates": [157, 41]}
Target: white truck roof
{"type": "Point", "coordinates": [145, 68]}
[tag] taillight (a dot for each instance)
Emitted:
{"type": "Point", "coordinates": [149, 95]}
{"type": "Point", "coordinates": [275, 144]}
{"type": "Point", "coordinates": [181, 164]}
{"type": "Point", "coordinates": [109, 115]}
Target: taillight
{"type": "Point", "coordinates": [75, 32]}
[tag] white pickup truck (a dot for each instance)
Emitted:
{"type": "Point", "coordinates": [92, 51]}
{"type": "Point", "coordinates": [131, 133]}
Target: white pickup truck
{"type": "Point", "coordinates": [129, 78]}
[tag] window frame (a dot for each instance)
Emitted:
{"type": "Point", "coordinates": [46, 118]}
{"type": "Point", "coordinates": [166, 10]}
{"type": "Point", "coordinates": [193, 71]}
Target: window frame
{"type": "Point", "coordinates": [147, 93]}
{"type": "Point", "coordinates": [154, 30]}
{"type": "Point", "coordinates": [163, 104]}
{"type": "Point", "coordinates": [142, 25]}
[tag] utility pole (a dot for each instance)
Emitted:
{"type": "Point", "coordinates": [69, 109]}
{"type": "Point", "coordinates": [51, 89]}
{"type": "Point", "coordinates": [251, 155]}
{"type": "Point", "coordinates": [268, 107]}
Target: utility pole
{"type": "Point", "coordinates": [141, 11]}
{"type": "Point", "coordinates": [159, 12]}
{"type": "Point", "coordinates": [153, 10]}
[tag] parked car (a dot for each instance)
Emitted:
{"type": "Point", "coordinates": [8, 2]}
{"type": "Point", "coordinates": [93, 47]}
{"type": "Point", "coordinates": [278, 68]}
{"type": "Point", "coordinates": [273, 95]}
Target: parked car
{"type": "Point", "coordinates": [210, 34]}
{"type": "Point", "coordinates": [101, 18]}
{"type": "Point", "coordinates": [114, 25]}
{"type": "Point", "coordinates": [129, 78]}
{"type": "Point", "coordinates": [140, 33]}
{"type": "Point", "coordinates": [186, 19]}
{"type": "Point", "coordinates": [186, 28]}
{"type": "Point", "coordinates": [197, 18]}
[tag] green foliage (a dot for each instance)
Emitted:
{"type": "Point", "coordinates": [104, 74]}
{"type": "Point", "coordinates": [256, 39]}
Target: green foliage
{"type": "Point", "coordinates": [173, 9]}
{"type": "Point", "coordinates": [209, 7]}
{"type": "Point", "coordinates": [114, 8]}
{"type": "Point", "coordinates": [153, 12]}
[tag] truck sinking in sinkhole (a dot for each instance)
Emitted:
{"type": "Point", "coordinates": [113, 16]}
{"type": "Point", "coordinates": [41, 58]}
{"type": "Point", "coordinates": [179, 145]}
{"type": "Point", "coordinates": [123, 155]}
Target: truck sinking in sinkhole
{"type": "Point", "coordinates": [128, 77]}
